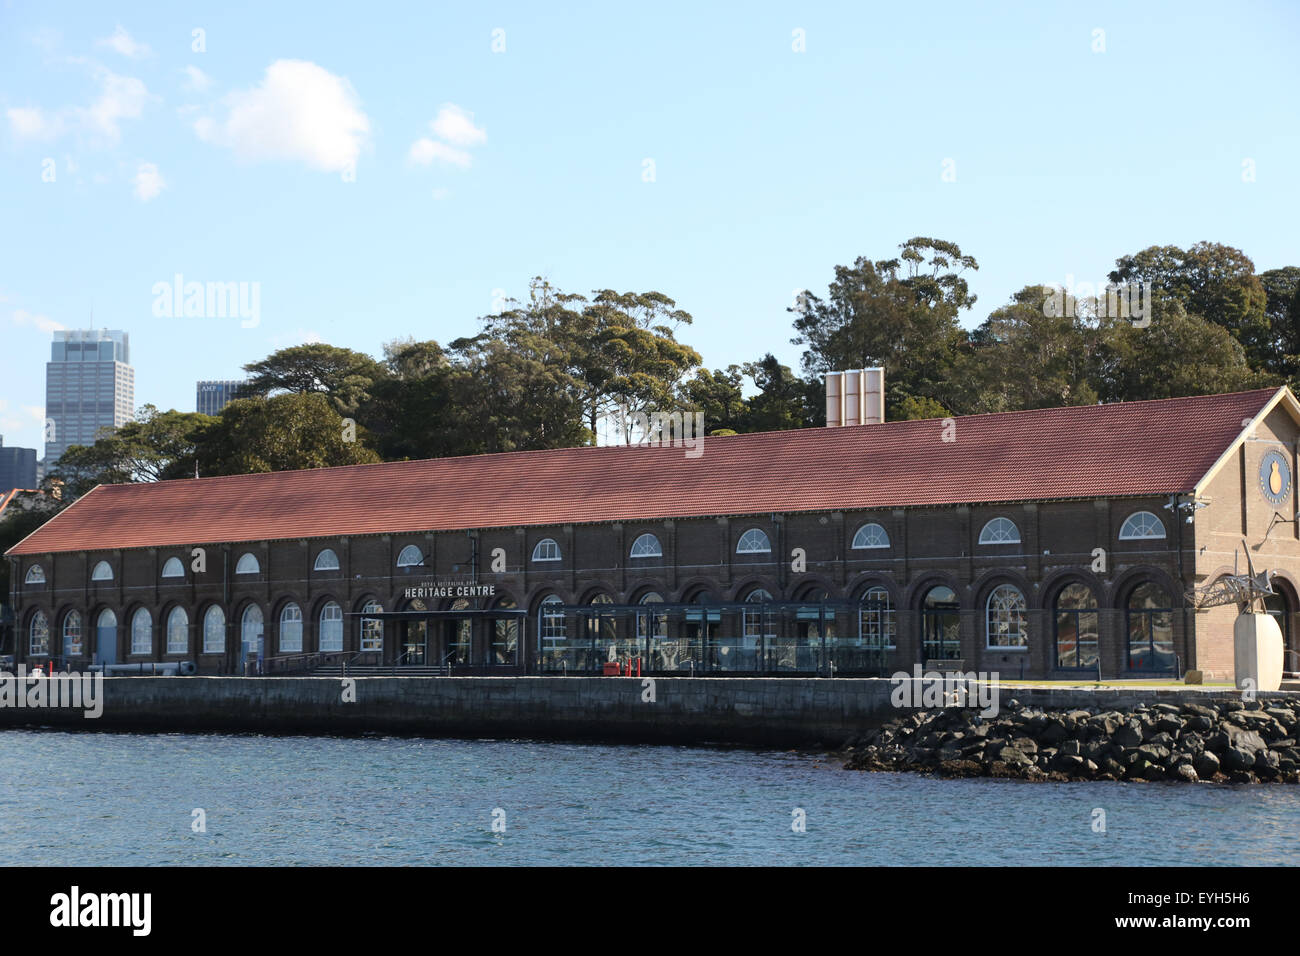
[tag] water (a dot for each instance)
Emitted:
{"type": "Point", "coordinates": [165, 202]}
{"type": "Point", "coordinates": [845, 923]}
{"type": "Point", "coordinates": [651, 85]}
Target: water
{"type": "Point", "coordinates": [127, 799]}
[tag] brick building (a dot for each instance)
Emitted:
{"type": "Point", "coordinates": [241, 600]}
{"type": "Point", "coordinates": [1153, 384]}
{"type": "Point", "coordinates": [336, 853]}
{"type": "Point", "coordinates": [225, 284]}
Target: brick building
{"type": "Point", "coordinates": [1056, 544]}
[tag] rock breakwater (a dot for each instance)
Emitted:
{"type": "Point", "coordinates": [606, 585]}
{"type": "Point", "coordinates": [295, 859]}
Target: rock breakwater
{"type": "Point", "coordinates": [1229, 741]}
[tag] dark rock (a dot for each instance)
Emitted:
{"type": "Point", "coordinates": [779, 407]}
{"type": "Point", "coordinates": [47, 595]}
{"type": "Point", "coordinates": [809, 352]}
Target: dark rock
{"type": "Point", "coordinates": [1053, 731]}
{"type": "Point", "coordinates": [1206, 764]}
{"type": "Point", "coordinates": [1235, 759]}
{"type": "Point", "coordinates": [1197, 710]}
{"type": "Point", "coordinates": [1129, 734]}
{"type": "Point", "coordinates": [1185, 771]}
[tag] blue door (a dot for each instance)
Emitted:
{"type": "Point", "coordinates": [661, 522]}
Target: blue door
{"type": "Point", "coordinates": [106, 638]}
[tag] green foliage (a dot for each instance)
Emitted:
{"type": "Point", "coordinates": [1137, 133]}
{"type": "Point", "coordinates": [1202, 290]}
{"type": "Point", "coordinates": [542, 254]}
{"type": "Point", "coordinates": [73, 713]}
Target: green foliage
{"type": "Point", "coordinates": [899, 314]}
{"type": "Point", "coordinates": [342, 374]}
{"type": "Point", "coordinates": [281, 433]}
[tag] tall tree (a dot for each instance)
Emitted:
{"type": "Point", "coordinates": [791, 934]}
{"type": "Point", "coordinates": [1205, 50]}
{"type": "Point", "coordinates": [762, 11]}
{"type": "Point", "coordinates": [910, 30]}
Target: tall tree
{"type": "Point", "coordinates": [1282, 294]}
{"type": "Point", "coordinates": [900, 314]}
{"type": "Point", "coordinates": [1214, 281]}
{"type": "Point", "coordinates": [342, 374]}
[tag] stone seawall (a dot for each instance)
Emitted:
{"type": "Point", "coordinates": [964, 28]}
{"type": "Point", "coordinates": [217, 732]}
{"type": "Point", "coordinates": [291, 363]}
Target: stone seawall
{"type": "Point", "coordinates": [1225, 740]}
{"type": "Point", "coordinates": [779, 712]}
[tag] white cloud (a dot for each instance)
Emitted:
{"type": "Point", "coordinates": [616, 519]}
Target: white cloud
{"type": "Point", "coordinates": [440, 193]}
{"type": "Point", "coordinates": [41, 322]}
{"type": "Point", "coordinates": [120, 98]}
{"type": "Point", "coordinates": [300, 111]}
{"type": "Point", "coordinates": [148, 182]}
{"type": "Point", "coordinates": [425, 151]}
{"type": "Point", "coordinates": [33, 123]}
{"type": "Point", "coordinates": [197, 81]}
{"type": "Point", "coordinates": [456, 126]}
{"type": "Point", "coordinates": [123, 43]}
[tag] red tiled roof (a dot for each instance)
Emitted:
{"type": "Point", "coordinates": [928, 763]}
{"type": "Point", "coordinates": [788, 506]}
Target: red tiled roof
{"type": "Point", "coordinates": [1133, 448]}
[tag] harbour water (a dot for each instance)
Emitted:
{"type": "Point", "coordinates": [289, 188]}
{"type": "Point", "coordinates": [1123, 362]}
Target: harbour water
{"type": "Point", "coordinates": [130, 799]}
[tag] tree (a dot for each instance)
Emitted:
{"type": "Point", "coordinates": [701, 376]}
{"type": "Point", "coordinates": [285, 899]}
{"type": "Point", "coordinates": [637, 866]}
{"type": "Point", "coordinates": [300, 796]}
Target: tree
{"type": "Point", "coordinates": [342, 374]}
{"type": "Point", "coordinates": [157, 445]}
{"type": "Point", "coordinates": [784, 400]}
{"type": "Point", "coordinates": [1023, 357]}
{"type": "Point", "coordinates": [1282, 306]}
{"type": "Point", "coordinates": [719, 395]}
{"type": "Point", "coordinates": [899, 314]}
{"type": "Point", "coordinates": [282, 433]}
{"type": "Point", "coordinates": [1178, 354]}
{"type": "Point", "coordinates": [1214, 281]}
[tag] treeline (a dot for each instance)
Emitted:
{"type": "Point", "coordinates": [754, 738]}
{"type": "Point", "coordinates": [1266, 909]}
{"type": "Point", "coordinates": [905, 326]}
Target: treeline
{"type": "Point", "coordinates": [548, 372]}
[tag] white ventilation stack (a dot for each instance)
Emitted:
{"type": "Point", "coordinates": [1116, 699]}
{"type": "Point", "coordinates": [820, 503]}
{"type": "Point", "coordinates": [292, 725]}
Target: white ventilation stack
{"type": "Point", "coordinates": [855, 398]}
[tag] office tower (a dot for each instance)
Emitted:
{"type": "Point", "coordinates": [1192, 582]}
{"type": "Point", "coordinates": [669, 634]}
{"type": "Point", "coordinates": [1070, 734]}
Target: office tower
{"type": "Point", "coordinates": [89, 385]}
{"type": "Point", "coordinates": [17, 467]}
{"type": "Point", "coordinates": [211, 397]}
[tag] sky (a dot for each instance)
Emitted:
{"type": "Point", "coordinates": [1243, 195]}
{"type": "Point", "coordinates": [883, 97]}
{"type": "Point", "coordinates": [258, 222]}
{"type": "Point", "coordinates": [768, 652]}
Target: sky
{"type": "Point", "coordinates": [374, 172]}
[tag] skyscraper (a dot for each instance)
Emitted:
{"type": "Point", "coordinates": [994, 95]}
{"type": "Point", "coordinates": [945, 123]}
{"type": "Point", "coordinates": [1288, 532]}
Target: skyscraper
{"type": "Point", "coordinates": [89, 385]}
{"type": "Point", "coordinates": [211, 397]}
{"type": "Point", "coordinates": [17, 467]}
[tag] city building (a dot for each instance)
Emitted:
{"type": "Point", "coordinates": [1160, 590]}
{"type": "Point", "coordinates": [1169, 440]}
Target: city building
{"type": "Point", "coordinates": [1053, 544]}
{"type": "Point", "coordinates": [17, 467]}
{"type": "Point", "coordinates": [89, 385]}
{"type": "Point", "coordinates": [211, 397]}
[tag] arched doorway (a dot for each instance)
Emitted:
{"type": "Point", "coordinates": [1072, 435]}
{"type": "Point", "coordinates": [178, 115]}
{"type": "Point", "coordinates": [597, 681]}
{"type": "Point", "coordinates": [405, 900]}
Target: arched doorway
{"type": "Point", "coordinates": [250, 636]}
{"type": "Point", "coordinates": [1150, 628]}
{"type": "Point", "coordinates": [460, 636]}
{"type": "Point", "coordinates": [940, 624]}
{"type": "Point", "coordinates": [106, 637]}
{"type": "Point", "coordinates": [1282, 605]}
{"type": "Point", "coordinates": [815, 630]}
{"type": "Point", "coordinates": [414, 636]}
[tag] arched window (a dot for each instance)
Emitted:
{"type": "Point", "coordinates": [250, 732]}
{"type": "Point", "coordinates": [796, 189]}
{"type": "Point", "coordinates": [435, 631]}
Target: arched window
{"type": "Point", "coordinates": [250, 630]}
{"type": "Point", "coordinates": [1000, 531]}
{"type": "Point", "coordinates": [372, 629]}
{"type": "Point", "coordinates": [870, 536]}
{"type": "Point", "coordinates": [38, 644]}
{"type": "Point", "coordinates": [72, 634]}
{"type": "Point", "coordinates": [602, 628]}
{"type": "Point", "coordinates": [1076, 626]}
{"type": "Point", "coordinates": [940, 624]}
{"type": "Point", "coordinates": [656, 625]}
{"type": "Point", "coordinates": [35, 575]}
{"type": "Point", "coordinates": [331, 627]}
{"type": "Point", "coordinates": [291, 628]}
{"type": "Point", "coordinates": [1005, 620]}
{"type": "Point", "coordinates": [214, 630]}
{"type": "Point", "coordinates": [410, 557]}
{"type": "Point", "coordinates": [758, 623]}
{"type": "Point", "coordinates": [106, 618]}
{"type": "Point", "coordinates": [172, 568]}
{"type": "Point", "coordinates": [327, 560]}
{"type": "Point", "coordinates": [142, 632]}
{"type": "Point", "coordinates": [546, 550]}
{"type": "Point", "coordinates": [102, 572]}
{"type": "Point", "coordinates": [647, 546]}
{"type": "Point", "coordinates": [1150, 629]}
{"type": "Point", "coordinates": [178, 631]}
{"type": "Point", "coordinates": [1141, 524]}
{"type": "Point", "coordinates": [106, 635]}
{"type": "Point", "coordinates": [553, 628]}
{"type": "Point", "coordinates": [754, 541]}
{"type": "Point", "coordinates": [876, 618]}
{"type": "Point", "coordinates": [247, 564]}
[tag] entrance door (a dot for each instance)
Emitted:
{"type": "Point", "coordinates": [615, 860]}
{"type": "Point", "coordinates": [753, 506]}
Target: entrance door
{"type": "Point", "coordinates": [106, 638]}
{"type": "Point", "coordinates": [415, 641]}
{"type": "Point", "coordinates": [460, 638]}
{"type": "Point", "coordinates": [940, 625]}
{"type": "Point", "coordinates": [250, 636]}
{"type": "Point", "coordinates": [1280, 608]}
